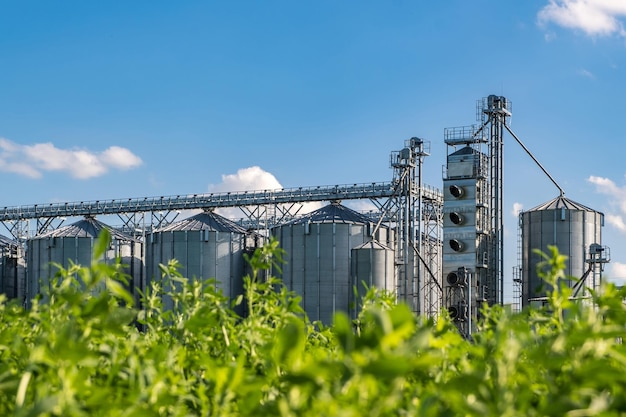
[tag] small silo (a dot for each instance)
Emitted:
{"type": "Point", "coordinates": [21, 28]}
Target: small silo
{"type": "Point", "coordinates": [76, 243]}
{"type": "Point", "coordinates": [318, 249]}
{"type": "Point", "coordinates": [372, 265]}
{"type": "Point", "coordinates": [12, 269]}
{"type": "Point", "coordinates": [570, 226]}
{"type": "Point", "coordinates": [206, 245]}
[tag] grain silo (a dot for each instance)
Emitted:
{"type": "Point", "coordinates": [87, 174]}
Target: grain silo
{"type": "Point", "coordinates": [318, 254]}
{"type": "Point", "coordinates": [570, 226]}
{"type": "Point", "coordinates": [12, 269]}
{"type": "Point", "coordinates": [75, 243]}
{"type": "Point", "coordinates": [372, 265]}
{"type": "Point", "coordinates": [206, 245]}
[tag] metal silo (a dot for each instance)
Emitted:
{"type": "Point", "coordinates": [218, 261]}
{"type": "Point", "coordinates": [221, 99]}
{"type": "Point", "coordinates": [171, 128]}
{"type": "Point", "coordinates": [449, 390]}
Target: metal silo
{"type": "Point", "coordinates": [12, 269]}
{"type": "Point", "coordinates": [206, 245]}
{"type": "Point", "coordinates": [76, 243]}
{"type": "Point", "coordinates": [570, 226]}
{"type": "Point", "coordinates": [372, 265]}
{"type": "Point", "coordinates": [318, 250]}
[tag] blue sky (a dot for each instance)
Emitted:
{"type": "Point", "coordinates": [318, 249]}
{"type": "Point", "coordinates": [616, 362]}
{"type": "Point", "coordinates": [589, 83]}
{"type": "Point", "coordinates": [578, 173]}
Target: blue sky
{"type": "Point", "coordinates": [117, 99]}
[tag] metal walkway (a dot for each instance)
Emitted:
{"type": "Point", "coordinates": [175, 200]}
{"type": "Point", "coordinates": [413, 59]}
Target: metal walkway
{"type": "Point", "coordinates": [12, 217]}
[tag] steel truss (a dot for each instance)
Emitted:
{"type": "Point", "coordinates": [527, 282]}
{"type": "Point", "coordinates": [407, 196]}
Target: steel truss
{"type": "Point", "coordinates": [415, 213]}
{"type": "Point", "coordinates": [263, 208]}
{"type": "Point", "coordinates": [494, 111]}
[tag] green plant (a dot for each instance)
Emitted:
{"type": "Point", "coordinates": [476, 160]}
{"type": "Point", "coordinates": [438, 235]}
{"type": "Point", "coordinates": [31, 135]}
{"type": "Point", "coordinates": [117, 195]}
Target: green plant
{"type": "Point", "coordinates": [85, 350]}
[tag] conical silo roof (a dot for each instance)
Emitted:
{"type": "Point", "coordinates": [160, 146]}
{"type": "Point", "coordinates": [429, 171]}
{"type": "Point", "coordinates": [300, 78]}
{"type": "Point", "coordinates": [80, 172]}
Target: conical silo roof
{"type": "Point", "coordinates": [332, 213]}
{"type": "Point", "coordinates": [561, 202]}
{"type": "Point", "coordinates": [466, 150]}
{"type": "Point", "coordinates": [206, 220]}
{"type": "Point", "coordinates": [88, 227]}
{"type": "Point", "coordinates": [5, 241]}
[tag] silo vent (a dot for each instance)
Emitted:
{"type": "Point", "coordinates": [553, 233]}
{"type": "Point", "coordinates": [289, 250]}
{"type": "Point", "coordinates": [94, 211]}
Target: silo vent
{"type": "Point", "coordinates": [456, 245]}
{"type": "Point", "coordinates": [456, 191]}
{"type": "Point", "coordinates": [457, 218]}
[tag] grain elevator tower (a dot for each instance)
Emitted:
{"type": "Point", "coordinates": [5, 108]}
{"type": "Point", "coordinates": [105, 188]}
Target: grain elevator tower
{"type": "Point", "coordinates": [472, 208]}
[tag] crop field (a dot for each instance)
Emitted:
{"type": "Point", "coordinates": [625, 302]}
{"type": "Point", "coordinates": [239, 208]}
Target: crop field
{"type": "Point", "coordinates": [87, 349]}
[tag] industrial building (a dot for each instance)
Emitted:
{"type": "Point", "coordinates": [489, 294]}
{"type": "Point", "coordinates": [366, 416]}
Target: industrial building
{"type": "Point", "coordinates": [435, 249]}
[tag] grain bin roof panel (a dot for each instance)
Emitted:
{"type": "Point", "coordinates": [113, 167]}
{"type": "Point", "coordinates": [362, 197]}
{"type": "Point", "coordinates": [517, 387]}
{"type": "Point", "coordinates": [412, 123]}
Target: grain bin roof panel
{"type": "Point", "coordinates": [333, 213]}
{"type": "Point", "coordinates": [5, 241]}
{"type": "Point", "coordinates": [561, 203]}
{"type": "Point", "coordinates": [205, 221]}
{"type": "Point", "coordinates": [467, 150]}
{"type": "Point", "coordinates": [88, 227]}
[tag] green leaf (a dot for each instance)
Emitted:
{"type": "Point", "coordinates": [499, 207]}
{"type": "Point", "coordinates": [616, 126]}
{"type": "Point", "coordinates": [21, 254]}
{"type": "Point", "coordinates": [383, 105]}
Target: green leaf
{"type": "Point", "coordinates": [101, 244]}
{"type": "Point", "coordinates": [118, 290]}
{"type": "Point", "coordinates": [342, 328]}
{"type": "Point", "coordinates": [289, 342]}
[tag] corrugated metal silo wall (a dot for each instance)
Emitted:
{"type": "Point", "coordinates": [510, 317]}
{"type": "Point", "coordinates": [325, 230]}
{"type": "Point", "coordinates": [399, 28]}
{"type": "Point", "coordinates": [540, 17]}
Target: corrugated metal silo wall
{"type": "Point", "coordinates": [374, 266]}
{"type": "Point", "coordinates": [42, 252]}
{"type": "Point", "coordinates": [8, 285]}
{"type": "Point", "coordinates": [571, 231]}
{"type": "Point", "coordinates": [203, 254]}
{"type": "Point", "coordinates": [132, 257]}
{"type": "Point", "coordinates": [13, 272]}
{"type": "Point", "coordinates": [318, 261]}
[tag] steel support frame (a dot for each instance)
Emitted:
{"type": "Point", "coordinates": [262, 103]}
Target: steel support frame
{"type": "Point", "coordinates": [416, 217]}
{"type": "Point", "coordinates": [432, 249]}
{"type": "Point", "coordinates": [496, 109]}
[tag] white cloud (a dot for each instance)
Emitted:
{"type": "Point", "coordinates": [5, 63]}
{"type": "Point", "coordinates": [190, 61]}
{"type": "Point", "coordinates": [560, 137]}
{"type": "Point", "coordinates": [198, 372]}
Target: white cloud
{"type": "Point", "coordinates": [617, 273]}
{"type": "Point", "coordinates": [617, 199]}
{"type": "Point", "coordinates": [121, 158]}
{"type": "Point", "coordinates": [253, 179]}
{"type": "Point", "coordinates": [361, 205]}
{"type": "Point", "coordinates": [549, 36]}
{"type": "Point", "coordinates": [247, 179]}
{"type": "Point", "coordinates": [604, 185]}
{"type": "Point", "coordinates": [9, 160]}
{"type": "Point", "coordinates": [32, 160]}
{"type": "Point", "coordinates": [517, 207]}
{"type": "Point", "coordinates": [586, 73]}
{"type": "Point", "coordinates": [8, 146]}
{"type": "Point", "coordinates": [617, 222]}
{"type": "Point", "coordinates": [608, 187]}
{"type": "Point", "coordinates": [19, 168]}
{"type": "Point", "coordinates": [593, 17]}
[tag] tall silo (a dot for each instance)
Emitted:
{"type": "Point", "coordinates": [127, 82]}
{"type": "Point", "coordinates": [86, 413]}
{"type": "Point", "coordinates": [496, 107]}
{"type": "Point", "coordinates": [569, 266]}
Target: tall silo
{"type": "Point", "coordinates": [318, 249]}
{"type": "Point", "coordinates": [12, 268]}
{"type": "Point", "coordinates": [206, 245]}
{"type": "Point", "coordinates": [570, 226]}
{"type": "Point", "coordinates": [75, 243]}
{"type": "Point", "coordinates": [372, 265]}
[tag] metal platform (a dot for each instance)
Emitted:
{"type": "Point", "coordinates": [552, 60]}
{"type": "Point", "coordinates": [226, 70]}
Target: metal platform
{"type": "Point", "coordinates": [13, 218]}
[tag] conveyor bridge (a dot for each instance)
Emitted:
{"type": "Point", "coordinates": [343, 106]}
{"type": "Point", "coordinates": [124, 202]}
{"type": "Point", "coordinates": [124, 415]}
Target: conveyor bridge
{"type": "Point", "coordinates": [263, 207]}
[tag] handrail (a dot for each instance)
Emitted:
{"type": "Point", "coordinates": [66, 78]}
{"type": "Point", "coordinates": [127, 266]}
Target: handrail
{"type": "Point", "coordinates": [208, 201]}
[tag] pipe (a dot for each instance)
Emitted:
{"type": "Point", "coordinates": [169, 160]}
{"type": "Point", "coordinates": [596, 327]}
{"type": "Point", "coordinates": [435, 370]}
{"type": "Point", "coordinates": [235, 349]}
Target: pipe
{"type": "Point", "coordinates": [534, 159]}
